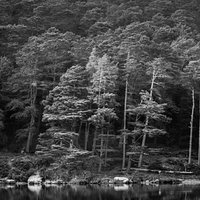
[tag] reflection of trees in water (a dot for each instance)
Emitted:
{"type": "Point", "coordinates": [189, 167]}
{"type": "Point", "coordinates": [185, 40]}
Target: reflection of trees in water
{"type": "Point", "coordinates": [17, 194]}
{"type": "Point", "coordinates": [137, 192]}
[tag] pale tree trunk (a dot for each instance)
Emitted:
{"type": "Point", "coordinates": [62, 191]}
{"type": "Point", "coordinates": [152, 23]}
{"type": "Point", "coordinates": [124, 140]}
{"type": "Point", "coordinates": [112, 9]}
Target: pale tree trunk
{"type": "Point", "coordinates": [143, 143]}
{"type": "Point", "coordinates": [106, 143]}
{"type": "Point", "coordinates": [102, 148]}
{"type": "Point", "coordinates": [79, 133]}
{"type": "Point", "coordinates": [99, 102]}
{"type": "Point", "coordinates": [100, 87]}
{"type": "Point", "coordinates": [37, 125]}
{"type": "Point", "coordinates": [124, 136]}
{"type": "Point", "coordinates": [106, 147]}
{"type": "Point", "coordinates": [33, 95]}
{"type": "Point", "coordinates": [32, 122]}
{"type": "Point", "coordinates": [191, 128]}
{"type": "Point", "coordinates": [199, 134]}
{"type": "Point", "coordinates": [146, 122]}
{"type": "Point", "coordinates": [101, 151]}
{"type": "Point", "coordinates": [30, 134]}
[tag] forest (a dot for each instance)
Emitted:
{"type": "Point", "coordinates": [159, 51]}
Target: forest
{"type": "Point", "coordinates": [105, 76]}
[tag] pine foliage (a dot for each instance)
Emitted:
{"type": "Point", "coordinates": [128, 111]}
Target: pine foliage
{"type": "Point", "coordinates": [68, 101]}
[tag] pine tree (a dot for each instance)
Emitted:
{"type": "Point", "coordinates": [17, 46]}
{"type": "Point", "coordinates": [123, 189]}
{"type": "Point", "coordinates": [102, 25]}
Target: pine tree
{"type": "Point", "coordinates": [131, 69]}
{"type": "Point", "coordinates": [28, 58]}
{"type": "Point", "coordinates": [40, 64]}
{"type": "Point", "coordinates": [191, 77]}
{"type": "Point", "coordinates": [102, 92]}
{"type": "Point", "coordinates": [66, 99]}
{"type": "Point", "coordinates": [92, 64]}
{"type": "Point", "coordinates": [189, 51]}
{"type": "Point", "coordinates": [158, 69]}
{"type": "Point", "coordinates": [67, 104]}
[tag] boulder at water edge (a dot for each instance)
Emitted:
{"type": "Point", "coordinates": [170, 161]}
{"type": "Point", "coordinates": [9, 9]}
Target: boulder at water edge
{"type": "Point", "coordinates": [121, 180]}
{"type": "Point", "coordinates": [35, 179]}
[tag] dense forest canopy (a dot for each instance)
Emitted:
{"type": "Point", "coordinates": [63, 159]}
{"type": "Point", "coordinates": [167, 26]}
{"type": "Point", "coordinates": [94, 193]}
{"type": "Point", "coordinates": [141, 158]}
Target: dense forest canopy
{"type": "Point", "coordinates": [124, 68]}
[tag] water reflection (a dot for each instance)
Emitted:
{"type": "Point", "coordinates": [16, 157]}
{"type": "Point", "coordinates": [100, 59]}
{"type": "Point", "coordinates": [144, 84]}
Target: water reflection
{"type": "Point", "coordinates": [35, 188]}
{"type": "Point", "coordinates": [124, 192]}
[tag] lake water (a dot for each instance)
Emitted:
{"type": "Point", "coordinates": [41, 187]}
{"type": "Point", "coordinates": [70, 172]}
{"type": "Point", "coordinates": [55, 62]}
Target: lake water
{"type": "Point", "coordinates": [135, 192]}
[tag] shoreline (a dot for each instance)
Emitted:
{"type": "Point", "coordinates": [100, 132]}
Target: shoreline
{"type": "Point", "coordinates": [143, 178]}
{"type": "Point", "coordinates": [24, 169]}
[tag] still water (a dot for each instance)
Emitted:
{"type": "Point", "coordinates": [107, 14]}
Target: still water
{"type": "Point", "coordinates": [135, 192]}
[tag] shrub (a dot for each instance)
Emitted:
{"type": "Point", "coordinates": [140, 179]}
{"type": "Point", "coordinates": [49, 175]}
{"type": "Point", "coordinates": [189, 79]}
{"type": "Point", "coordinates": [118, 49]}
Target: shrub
{"type": "Point", "coordinates": [44, 161]}
{"type": "Point", "coordinates": [4, 168]}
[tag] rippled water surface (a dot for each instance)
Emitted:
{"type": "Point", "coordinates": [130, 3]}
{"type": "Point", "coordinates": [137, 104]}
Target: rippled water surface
{"type": "Point", "coordinates": [136, 192]}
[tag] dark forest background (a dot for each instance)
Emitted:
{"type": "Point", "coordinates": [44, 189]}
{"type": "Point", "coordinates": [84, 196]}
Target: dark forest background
{"type": "Point", "coordinates": [67, 65]}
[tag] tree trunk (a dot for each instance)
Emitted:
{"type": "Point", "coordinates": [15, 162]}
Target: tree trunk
{"type": "Point", "coordinates": [37, 125]}
{"type": "Point", "coordinates": [87, 128]}
{"type": "Point", "coordinates": [74, 125]}
{"type": "Point", "coordinates": [101, 152]}
{"type": "Point", "coordinates": [30, 134]}
{"type": "Point", "coordinates": [191, 128]}
{"type": "Point", "coordinates": [99, 104]}
{"type": "Point", "coordinates": [199, 134]}
{"type": "Point", "coordinates": [124, 136]}
{"type": "Point", "coordinates": [33, 96]}
{"type": "Point", "coordinates": [106, 144]}
{"type": "Point", "coordinates": [146, 123]}
{"type": "Point", "coordinates": [80, 126]}
{"type": "Point", "coordinates": [100, 87]}
{"type": "Point", "coordinates": [94, 141]}
{"type": "Point", "coordinates": [32, 122]}
{"type": "Point", "coordinates": [143, 143]}
{"type": "Point", "coordinates": [85, 144]}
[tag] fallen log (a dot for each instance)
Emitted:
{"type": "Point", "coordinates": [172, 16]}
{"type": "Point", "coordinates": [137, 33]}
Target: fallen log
{"type": "Point", "coordinates": [162, 171]}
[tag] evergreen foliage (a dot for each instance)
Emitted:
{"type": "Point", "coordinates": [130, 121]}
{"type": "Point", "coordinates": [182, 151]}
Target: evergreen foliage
{"type": "Point", "coordinates": [67, 102]}
{"type": "Point", "coordinates": [86, 68]}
